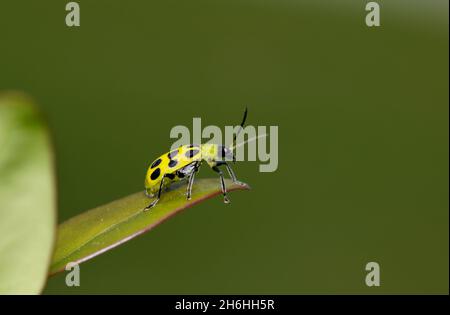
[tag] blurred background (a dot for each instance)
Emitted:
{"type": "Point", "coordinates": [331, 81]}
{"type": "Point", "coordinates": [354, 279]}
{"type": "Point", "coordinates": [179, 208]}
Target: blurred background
{"type": "Point", "coordinates": [363, 137]}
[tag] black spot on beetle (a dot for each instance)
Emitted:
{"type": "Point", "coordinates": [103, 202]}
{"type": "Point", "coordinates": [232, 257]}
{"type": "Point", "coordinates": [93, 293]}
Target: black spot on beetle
{"type": "Point", "coordinates": [170, 176]}
{"type": "Point", "coordinates": [172, 163]}
{"type": "Point", "coordinates": [155, 174]}
{"type": "Point", "coordinates": [180, 175]}
{"type": "Point", "coordinates": [172, 154]}
{"type": "Point", "coordinates": [156, 163]}
{"type": "Point", "coordinates": [191, 153]}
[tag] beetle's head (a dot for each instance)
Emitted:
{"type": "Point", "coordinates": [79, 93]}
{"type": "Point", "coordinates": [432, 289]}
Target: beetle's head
{"type": "Point", "coordinates": [225, 154]}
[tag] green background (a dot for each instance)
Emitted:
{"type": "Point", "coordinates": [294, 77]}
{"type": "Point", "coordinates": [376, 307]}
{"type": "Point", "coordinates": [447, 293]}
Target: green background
{"type": "Point", "coordinates": [363, 136]}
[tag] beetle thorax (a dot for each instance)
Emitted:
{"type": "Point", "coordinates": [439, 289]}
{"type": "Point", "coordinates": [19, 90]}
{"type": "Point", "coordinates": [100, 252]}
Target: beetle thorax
{"type": "Point", "coordinates": [209, 153]}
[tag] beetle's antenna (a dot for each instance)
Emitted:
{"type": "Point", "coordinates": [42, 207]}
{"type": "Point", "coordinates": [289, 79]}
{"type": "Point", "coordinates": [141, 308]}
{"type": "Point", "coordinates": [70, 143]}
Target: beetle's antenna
{"type": "Point", "coordinates": [240, 129]}
{"type": "Point", "coordinates": [248, 140]}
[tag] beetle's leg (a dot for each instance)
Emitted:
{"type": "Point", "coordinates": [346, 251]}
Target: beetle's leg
{"type": "Point", "coordinates": [233, 175]}
{"type": "Point", "coordinates": [154, 202]}
{"type": "Point", "coordinates": [189, 186]}
{"type": "Point", "coordinates": [222, 184]}
{"type": "Point", "coordinates": [191, 181]}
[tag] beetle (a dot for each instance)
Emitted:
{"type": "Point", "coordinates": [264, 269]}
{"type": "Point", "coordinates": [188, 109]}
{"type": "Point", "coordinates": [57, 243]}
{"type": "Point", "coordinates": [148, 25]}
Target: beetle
{"type": "Point", "coordinates": [183, 163]}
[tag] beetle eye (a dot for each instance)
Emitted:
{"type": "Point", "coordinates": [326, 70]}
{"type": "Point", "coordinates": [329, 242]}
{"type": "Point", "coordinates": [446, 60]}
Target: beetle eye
{"type": "Point", "coordinates": [224, 152]}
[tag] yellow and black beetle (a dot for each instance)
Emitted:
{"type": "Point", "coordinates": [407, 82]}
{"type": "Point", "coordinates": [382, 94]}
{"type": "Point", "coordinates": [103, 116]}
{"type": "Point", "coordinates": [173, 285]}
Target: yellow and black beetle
{"type": "Point", "coordinates": [184, 162]}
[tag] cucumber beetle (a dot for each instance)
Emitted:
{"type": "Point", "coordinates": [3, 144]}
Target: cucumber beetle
{"type": "Point", "coordinates": [183, 163]}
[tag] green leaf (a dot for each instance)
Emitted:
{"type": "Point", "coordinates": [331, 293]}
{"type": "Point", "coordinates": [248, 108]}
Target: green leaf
{"type": "Point", "coordinates": [103, 228]}
{"type": "Point", "coordinates": [27, 197]}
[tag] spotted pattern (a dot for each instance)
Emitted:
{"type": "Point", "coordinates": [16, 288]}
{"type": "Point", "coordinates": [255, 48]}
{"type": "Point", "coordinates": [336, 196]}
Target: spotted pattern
{"type": "Point", "coordinates": [172, 154]}
{"type": "Point", "coordinates": [172, 163]}
{"type": "Point", "coordinates": [191, 153]}
{"type": "Point", "coordinates": [155, 174]}
{"type": "Point", "coordinates": [172, 166]}
{"type": "Point", "coordinates": [156, 163]}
